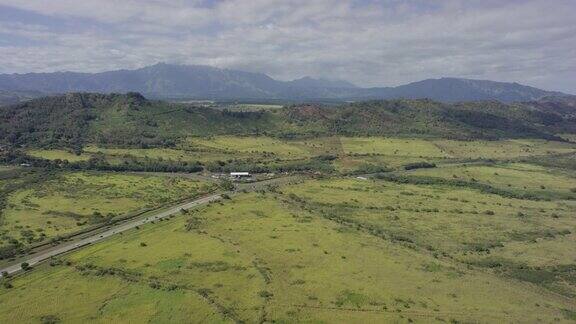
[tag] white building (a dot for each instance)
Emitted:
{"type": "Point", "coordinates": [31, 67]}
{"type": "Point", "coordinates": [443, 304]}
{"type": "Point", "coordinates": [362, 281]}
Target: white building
{"type": "Point", "coordinates": [238, 175]}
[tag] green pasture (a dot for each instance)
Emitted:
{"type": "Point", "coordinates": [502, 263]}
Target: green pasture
{"type": "Point", "coordinates": [283, 257]}
{"type": "Point", "coordinates": [391, 146]}
{"type": "Point", "coordinates": [55, 154]}
{"type": "Point", "coordinates": [150, 153]}
{"type": "Point", "coordinates": [503, 149]}
{"type": "Point", "coordinates": [459, 223]}
{"type": "Point", "coordinates": [528, 178]}
{"type": "Point", "coordinates": [76, 200]}
{"type": "Point", "coordinates": [256, 145]}
{"type": "Point", "coordinates": [253, 107]}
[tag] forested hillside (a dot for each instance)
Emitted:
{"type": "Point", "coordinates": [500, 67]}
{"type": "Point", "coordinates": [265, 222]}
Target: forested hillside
{"type": "Point", "coordinates": [131, 120]}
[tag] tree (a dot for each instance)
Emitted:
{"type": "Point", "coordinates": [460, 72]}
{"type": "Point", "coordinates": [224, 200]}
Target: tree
{"type": "Point", "coordinates": [226, 185]}
{"type": "Point", "coordinates": [25, 266]}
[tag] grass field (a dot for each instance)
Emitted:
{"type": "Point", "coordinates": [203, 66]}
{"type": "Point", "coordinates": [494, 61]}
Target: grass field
{"type": "Point", "coordinates": [352, 152]}
{"type": "Point", "coordinates": [478, 242]}
{"type": "Point", "coordinates": [435, 148]}
{"type": "Point", "coordinates": [253, 107]}
{"type": "Point", "coordinates": [75, 200]}
{"type": "Point", "coordinates": [503, 149]}
{"type": "Point", "coordinates": [396, 152]}
{"type": "Point", "coordinates": [211, 149]}
{"type": "Point", "coordinates": [254, 145]}
{"type": "Point", "coordinates": [153, 153]}
{"type": "Point", "coordinates": [391, 146]}
{"type": "Point", "coordinates": [569, 137]}
{"type": "Point", "coordinates": [322, 251]}
{"type": "Point", "coordinates": [551, 183]}
{"type": "Point", "coordinates": [59, 154]}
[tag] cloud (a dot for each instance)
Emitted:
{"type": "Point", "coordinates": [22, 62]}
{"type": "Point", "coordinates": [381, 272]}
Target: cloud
{"type": "Point", "coordinates": [367, 42]}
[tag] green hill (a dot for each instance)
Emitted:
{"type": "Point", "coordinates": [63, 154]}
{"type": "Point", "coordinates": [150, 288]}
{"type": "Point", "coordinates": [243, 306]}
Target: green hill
{"type": "Point", "coordinates": [130, 120]}
{"type": "Point", "coordinates": [76, 119]}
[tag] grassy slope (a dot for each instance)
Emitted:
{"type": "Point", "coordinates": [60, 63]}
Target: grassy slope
{"type": "Point", "coordinates": [309, 269]}
{"type": "Point", "coordinates": [352, 152]}
{"type": "Point", "coordinates": [58, 154]}
{"type": "Point", "coordinates": [516, 176]}
{"type": "Point", "coordinates": [254, 145]}
{"type": "Point", "coordinates": [66, 203]}
{"type": "Point", "coordinates": [76, 120]}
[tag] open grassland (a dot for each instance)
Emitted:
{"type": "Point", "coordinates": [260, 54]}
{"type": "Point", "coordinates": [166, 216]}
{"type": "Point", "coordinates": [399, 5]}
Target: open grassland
{"type": "Point", "coordinates": [119, 154]}
{"type": "Point", "coordinates": [460, 224]}
{"type": "Point", "coordinates": [71, 201]}
{"type": "Point", "coordinates": [569, 137]}
{"type": "Point", "coordinates": [6, 168]}
{"type": "Point", "coordinates": [356, 152]}
{"type": "Point", "coordinates": [503, 149]}
{"type": "Point", "coordinates": [256, 145]}
{"type": "Point", "coordinates": [334, 250]}
{"type": "Point", "coordinates": [174, 154]}
{"type": "Point", "coordinates": [436, 148]}
{"type": "Point", "coordinates": [391, 146]}
{"type": "Point", "coordinates": [59, 154]}
{"type": "Point", "coordinates": [352, 154]}
{"type": "Point", "coordinates": [253, 107]}
{"type": "Point", "coordinates": [185, 153]}
{"type": "Point", "coordinates": [527, 178]}
{"type": "Point", "coordinates": [205, 150]}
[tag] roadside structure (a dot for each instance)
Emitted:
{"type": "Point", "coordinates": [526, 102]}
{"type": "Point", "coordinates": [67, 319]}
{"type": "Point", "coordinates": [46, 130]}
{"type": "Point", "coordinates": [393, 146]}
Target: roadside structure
{"type": "Point", "coordinates": [239, 175]}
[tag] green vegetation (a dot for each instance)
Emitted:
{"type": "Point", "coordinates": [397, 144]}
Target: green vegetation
{"type": "Point", "coordinates": [75, 120]}
{"type": "Point", "coordinates": [254, 145]}
{"type": "Point", "coordinates": [392, 146]}
{"type": "Point", "coordinates": [503, 149]}
{"type": "Point", "coordinates": [526, 178]}
{"type": "Point", "coordinates": [68, 202]}
{"type": "Point", "coordinates": [333, 251]}
{"type": "Point", "coordinates": [57, 154]}
{"type": "Point", "coordinates": [408, 211]}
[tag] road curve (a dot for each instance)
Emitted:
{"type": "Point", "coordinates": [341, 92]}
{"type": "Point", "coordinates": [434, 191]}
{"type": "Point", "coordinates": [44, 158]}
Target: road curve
{"type": "Point", "coordinates": [67, 247]}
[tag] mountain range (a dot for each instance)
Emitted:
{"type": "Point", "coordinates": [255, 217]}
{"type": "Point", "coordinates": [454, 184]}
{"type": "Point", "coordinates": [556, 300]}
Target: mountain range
{"type": "Point", "coordinates": [170, 81]}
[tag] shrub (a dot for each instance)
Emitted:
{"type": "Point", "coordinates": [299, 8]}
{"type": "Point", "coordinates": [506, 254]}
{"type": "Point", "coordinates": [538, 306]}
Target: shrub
{"type": "Point", "coordinates": [265, 294]}
{"type": "Point", "coordinates": [419, 165]}
{"type": "Point", "coordinates": [155, 285]}
{"type": "Point", "coordinates": [25, 266]}
{"type": "Point", "coordinates": [50, 319]}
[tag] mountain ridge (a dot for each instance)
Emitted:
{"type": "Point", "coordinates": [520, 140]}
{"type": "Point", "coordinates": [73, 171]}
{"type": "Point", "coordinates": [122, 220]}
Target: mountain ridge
{"type": "Point", "coordinates": [164, 81]}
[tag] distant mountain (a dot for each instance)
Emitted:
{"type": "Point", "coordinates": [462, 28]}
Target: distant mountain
{"type": "Point", "coordinates": [160, 80]}
{"type": "Point", "coordinates": [308, 82]}
{"type": "Point", "coordinates": [205, 82]}
{"type": "Point", "coordinates": [457, 89]}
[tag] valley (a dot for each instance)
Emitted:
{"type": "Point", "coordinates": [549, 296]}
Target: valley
{"type": "Point", "coordinates": [348, 215]}
{"type": "Point", "coordinates": [278, 162]}
{"type": "Point", "coordinates": [378, 228]}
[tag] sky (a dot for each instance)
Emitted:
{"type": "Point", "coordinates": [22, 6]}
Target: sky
{"type": "Point", "coordinates": [366, 42]}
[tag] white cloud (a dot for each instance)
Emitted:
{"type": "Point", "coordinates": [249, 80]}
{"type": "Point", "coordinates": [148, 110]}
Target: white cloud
{"type": "Point", "coordinates": [366, 42]}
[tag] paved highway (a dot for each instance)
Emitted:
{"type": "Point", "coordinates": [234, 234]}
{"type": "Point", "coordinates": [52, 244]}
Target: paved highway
{"type": "Point", "coordinates": [67, 247]}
